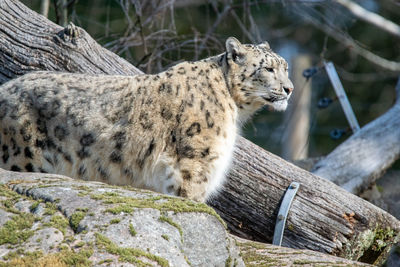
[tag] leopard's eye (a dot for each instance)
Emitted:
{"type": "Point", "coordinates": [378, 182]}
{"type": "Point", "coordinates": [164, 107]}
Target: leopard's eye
{"type": "Point", "coordinates": [269, 69]}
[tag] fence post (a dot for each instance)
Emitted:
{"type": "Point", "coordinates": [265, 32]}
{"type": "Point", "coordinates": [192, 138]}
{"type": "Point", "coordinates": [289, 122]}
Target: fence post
{"type": "Point", "coordinates": [297, 116]}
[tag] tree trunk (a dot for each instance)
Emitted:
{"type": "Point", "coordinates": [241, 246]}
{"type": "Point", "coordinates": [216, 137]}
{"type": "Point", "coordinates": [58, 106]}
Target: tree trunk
{"type": "Point", "coordinates": [323, 217]}
{"type": "Point", "coordinates": [297, 116]}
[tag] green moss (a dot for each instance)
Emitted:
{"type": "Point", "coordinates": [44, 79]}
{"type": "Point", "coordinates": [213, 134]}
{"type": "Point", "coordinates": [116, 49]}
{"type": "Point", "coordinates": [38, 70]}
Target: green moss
{"type": "Point", "coordinates": [83, 187]}
{"type": "Point", "coordinates": [7, 192]}
{"type": "Point", "coordinates": [112, 194]}
{"type": "Point", "coordinates": [17, 230]}
{"type": "Point", "coordinates": [251, 257]}
{"type": "Point", "coordinates": [64, 258]}
{"type": "Point", "coordinates": [48, 185]}
{"type": "Point", "coordinates": [128, 254]}
{"type": "Point", "coordinates": [82, 194]}
{"type": "Point", "coordinates": [75, 219]}
{"type": "Point", "coordinates": [50, 208]}
{"type": "Point", "coordinates": [369, 244]}
{"type": "Point", "coordinates": [250, 244]}
{"type": "Point", "coordinates": [228, 262]}
{"type": "Point", "coordinates": [132, 230]}
{"type": "Point", "coordinates": [121, 208]}
{"type": "Point", "coordinates": [73, 258]}
{"type": "Point", "coordinates": [80, 244]}
{"type": "Point", "coordinates": [11, 198]}
{"type": "Point", "coordinates": [34, 206]}
{"type": "Point", "coordinates": [105, 261]}
{"type": "Point", "coordinates": [114, 221]}
{"type": "Point", "coordinates": [162, 203]}
{"type": "Point", "coordinates": [21, 259]}
{"type": "Point", "coordinates": [174, 224]}
{"type": "Point", "coordinates": [96, 197]}
{"type": "Point", "coordinates": [58, 222]}
{"type": "Point", "coordinates": [82, 209]}
{"type": "Point", "coordinates": [165, 237]}
{"type": "Point", "coordinates": [379, 188]}
{"type": "Point", "coordinates": [382, 238]}
{"type": "Point", "coordinates": [187, 260]}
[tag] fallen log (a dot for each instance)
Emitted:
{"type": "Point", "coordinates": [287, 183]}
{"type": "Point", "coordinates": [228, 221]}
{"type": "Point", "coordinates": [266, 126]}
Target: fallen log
{"type": "Point", "coordinates": [366, 155]}
{"type": "Point", "coordinates": [323, 216]}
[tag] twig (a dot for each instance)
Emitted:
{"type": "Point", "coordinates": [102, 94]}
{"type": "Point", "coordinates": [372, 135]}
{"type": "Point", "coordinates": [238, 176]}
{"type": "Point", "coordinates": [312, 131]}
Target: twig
{"type": "Point", "coordinates": [370, 17]}
{"type": "Point", "coordinates": [221, 15]}
{"type": "Point", "coordinates": [243, 27]}
{"type": "Point", "coordinates": [341, 38]}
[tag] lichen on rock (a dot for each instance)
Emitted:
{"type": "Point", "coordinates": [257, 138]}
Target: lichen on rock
{"type": "Point", "coordinates": [58, 221]}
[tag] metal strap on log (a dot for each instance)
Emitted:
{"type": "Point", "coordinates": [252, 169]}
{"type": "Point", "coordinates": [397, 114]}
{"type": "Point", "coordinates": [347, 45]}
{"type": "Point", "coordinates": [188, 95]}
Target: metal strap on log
{"type": "Point", "coordinates": [283, 213]}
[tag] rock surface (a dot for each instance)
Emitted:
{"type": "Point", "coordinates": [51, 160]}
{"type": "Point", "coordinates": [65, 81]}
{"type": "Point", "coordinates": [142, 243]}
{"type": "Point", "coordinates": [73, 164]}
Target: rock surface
{"type": "Point", "coordinates": [52, 218]}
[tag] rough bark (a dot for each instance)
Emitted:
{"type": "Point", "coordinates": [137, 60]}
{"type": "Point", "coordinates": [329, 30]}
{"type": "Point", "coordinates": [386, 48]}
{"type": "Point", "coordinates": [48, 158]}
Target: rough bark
{"type": "Point", "coordinates": [323, 216]}
{"type": "Point", "coordinates": [30, 42]}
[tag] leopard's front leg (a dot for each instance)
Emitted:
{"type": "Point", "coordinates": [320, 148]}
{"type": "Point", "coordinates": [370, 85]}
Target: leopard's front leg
{"type": "Point", "coordinates": [196, 178]}
{"type": "Point", "coordinates": [203, 170]}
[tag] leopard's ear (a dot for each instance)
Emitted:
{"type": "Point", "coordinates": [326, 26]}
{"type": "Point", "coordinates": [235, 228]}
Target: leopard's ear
{"type": "Point", "coordinates": [235, 50]}
{"type": "Point", "coordinates": [265, 44]}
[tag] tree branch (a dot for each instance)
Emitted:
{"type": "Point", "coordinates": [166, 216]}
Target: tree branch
{"type": "Point", "coordinates": [363, 158]}
{"type": "Point", "coordinates": [371, 17]}
{"type": "Point", "coordinates": [346, 41]}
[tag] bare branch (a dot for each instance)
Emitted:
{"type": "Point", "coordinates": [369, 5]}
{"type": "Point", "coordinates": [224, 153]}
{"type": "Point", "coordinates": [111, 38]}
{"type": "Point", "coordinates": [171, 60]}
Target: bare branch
{"type": "Point", "coordinates": [243, 27]}
{"type": "Point", "coordinates": [359, 161]}
{"type": "Point", "coordinates": [220, 17]}
{"type": "Point", "coordinates": [371, 17]}
{"type": "Point", "coordinates": [347, 41]}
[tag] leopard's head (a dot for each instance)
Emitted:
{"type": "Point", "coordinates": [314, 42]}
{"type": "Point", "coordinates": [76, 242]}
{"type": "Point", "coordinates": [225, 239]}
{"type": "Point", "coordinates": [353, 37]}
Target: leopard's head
{"type": "Point", "coordinates": [257, 77]}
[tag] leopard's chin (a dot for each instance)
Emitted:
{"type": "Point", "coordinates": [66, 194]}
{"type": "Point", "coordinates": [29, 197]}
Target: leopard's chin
{"type": "Point", "coordinates": [277, 105]}
{"type": "Point", "coordinates": [280, 105]}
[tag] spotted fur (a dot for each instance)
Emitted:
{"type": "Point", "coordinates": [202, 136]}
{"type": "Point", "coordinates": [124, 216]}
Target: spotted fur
{"type": "Point", "coordinates": [173, 132]}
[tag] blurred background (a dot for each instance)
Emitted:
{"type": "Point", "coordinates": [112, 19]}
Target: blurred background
{"type": "Point", "coordinates": [156, 34]}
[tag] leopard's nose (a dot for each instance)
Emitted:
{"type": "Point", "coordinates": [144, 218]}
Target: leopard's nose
{"type": "Point", "coordinates": [288, 90]}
